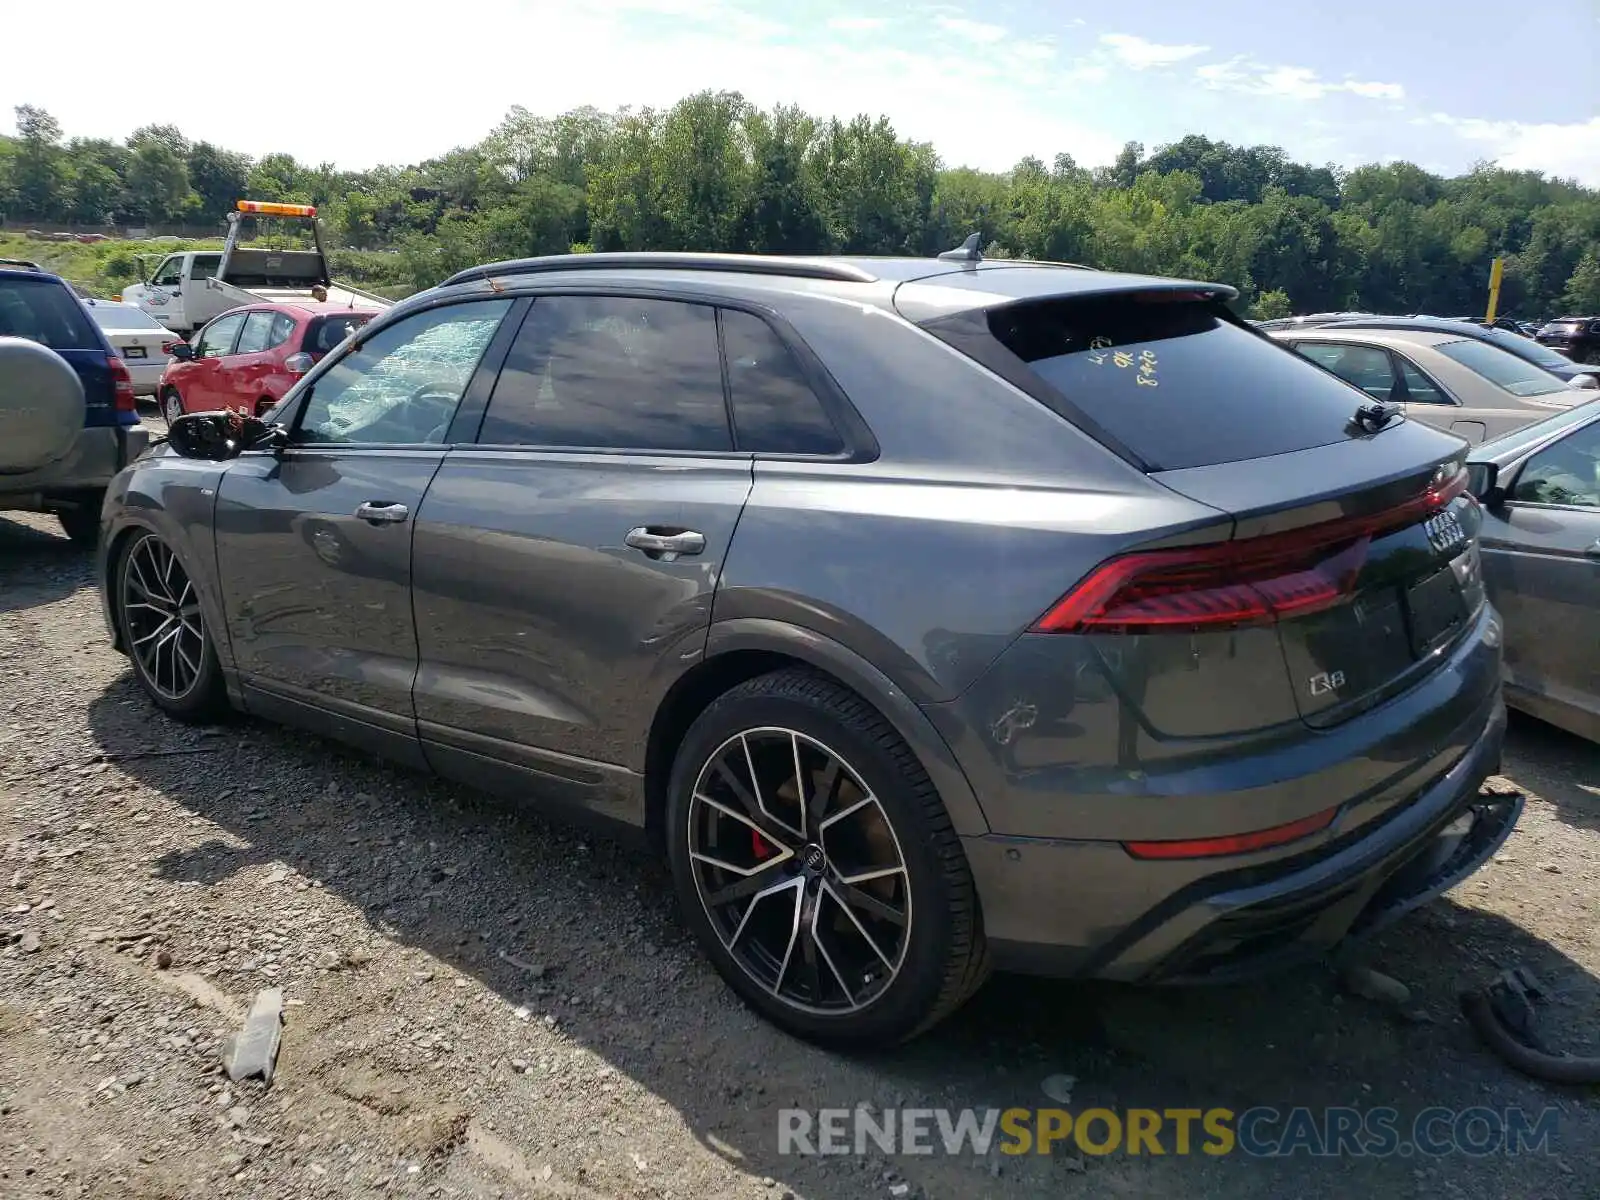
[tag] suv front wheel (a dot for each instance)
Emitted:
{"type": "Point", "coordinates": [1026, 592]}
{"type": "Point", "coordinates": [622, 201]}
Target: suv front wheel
{"type": "Point", "coordinates": [816, 864]}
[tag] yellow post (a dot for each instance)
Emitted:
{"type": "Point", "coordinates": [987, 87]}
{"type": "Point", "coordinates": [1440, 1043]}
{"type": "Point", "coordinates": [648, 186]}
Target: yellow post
{"type": "Point", "coordinates": [1495, 273]}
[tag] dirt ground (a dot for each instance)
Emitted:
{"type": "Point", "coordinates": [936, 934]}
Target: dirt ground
{"type": "Point", "coordinates": [482, 1003]}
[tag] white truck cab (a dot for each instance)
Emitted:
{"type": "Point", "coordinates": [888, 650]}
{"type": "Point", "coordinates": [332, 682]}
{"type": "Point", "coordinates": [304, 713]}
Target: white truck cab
{"type": "Point", "coordinates": [187, 290]}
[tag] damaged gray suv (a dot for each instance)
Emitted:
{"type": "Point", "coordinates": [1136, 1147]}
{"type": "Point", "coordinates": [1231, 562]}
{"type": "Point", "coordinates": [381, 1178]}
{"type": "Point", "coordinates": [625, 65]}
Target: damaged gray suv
{"type": "Point", "coordinates": [928, 615]}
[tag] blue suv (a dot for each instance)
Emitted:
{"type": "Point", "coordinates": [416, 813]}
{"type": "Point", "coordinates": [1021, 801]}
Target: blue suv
{"type": "Point", "coordinates": [68, 421]}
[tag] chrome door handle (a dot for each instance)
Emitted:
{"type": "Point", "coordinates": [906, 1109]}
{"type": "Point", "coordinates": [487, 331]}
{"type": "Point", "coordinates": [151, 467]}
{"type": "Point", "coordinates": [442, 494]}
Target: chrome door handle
{"type": "Point", "coordinates": [383, 514]}
{"type": "Point", "coordinates": [666, 546]}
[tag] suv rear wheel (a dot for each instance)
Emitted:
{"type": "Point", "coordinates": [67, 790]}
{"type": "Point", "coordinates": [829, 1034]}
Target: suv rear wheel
{"type": "Point", "coordinates": [816, 864]}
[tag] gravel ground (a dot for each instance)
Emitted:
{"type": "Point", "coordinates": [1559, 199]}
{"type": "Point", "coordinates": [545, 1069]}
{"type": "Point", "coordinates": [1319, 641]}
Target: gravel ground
{"type": "Point", "coordinates": [481, 1003]}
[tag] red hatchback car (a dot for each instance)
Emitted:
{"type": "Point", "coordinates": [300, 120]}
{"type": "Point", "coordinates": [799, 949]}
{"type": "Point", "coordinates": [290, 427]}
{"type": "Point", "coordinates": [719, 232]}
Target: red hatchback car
{"type": "Point", "coordinates": [249, 357]}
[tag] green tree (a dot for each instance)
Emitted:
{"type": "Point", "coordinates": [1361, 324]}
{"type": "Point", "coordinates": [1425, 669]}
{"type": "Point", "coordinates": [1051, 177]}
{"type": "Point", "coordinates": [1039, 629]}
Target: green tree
{"type": "Point", "coordinates": [1582, 294]}
{"type": "Point", "coordinates": [158, 181]}
{"type": "Point", "coordinates": [38, 166]}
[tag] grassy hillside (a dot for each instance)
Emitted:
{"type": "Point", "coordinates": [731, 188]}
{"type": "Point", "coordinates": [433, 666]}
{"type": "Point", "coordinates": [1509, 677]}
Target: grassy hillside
{"type": "Point", "coordinates": [104, 268]}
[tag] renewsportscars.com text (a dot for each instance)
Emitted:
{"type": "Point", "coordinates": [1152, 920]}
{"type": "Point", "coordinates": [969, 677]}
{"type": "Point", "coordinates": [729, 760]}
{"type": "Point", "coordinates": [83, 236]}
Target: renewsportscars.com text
{"type": "Point", "coordinates": [1262, 1132]}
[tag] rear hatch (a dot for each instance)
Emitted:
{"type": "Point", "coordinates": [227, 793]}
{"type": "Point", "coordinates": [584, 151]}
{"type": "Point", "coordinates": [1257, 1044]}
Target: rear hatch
{"type": "Point", "coordinates": [44, 310]}
{"type": "Point", "coordinates": [1356, 544]}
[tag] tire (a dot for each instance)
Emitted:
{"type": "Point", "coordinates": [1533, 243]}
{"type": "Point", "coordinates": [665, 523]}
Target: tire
{"type": "Point", "coordinates": [82, 523]}
{"type": "Point", "coordinates": [898, 978]}
{"type": "Point", "coordinates": [42, 406]}
{"type": "Point", "coordinates": [147, 597]}
{"type": "Point", "coordinates": [171, 405]}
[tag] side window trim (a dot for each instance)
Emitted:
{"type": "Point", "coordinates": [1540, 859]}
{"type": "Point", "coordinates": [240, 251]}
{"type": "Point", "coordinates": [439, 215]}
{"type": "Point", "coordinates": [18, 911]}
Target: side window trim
{"type": "Point", "coordinates": [482, 380]}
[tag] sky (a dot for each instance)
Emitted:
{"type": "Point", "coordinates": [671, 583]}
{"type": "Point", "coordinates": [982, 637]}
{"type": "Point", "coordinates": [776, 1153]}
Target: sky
{"type": "Point", "coordinates": [1442, 83]}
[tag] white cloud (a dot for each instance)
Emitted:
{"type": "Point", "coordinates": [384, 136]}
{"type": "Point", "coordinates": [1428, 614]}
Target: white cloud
{"type": "Point", "coordinates": [1134, 51]}
{"type": "Point", "coordinates": [1568, 151]}
{"type": "Point", "coordinates": [1242, 74]}
{"type": "Point", "coordinates": [973, 31]}
{"type": "Point", "coordinates": [857, 24]}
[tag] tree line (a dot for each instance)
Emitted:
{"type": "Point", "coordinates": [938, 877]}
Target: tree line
{"type": "Point", "coordinates": [715, 172]}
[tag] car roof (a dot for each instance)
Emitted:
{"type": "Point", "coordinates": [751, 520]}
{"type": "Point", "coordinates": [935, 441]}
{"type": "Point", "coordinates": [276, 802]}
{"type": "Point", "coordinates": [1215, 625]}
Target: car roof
{"type": "Point", "coordinates": [918, 288]}
{"type": "Point", "coordinates": [1376, 337]}
{"type": "Point", "coordinates": [294, 308]}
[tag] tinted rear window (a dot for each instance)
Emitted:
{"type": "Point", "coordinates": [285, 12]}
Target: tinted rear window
{"type": "Point", "coordinates": [1516, 375]}
{"type": "Point", "coordinates": [325, 333]}
{"type": "Point", "coordinates": [1175, 382]}
{"type": "Point", "coordinates": [1515, 343]}
{"type": "Point", "coordinates": [44, 311]}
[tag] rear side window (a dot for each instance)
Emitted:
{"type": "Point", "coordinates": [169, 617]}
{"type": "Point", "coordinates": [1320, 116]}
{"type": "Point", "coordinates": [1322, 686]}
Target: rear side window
{"type": "Point", "coordinates": [611, 372]}
{"type": "Point", "coordinates": [1173, 380]}
{"type": "Point", "coordinates": [1515, 375]}
{"type": "Point", "coordinates": [44, 311]}
{"type": "Point", "coordinates": [774, 409]}
{"type": "Point", "coordinates": [1367, 367]}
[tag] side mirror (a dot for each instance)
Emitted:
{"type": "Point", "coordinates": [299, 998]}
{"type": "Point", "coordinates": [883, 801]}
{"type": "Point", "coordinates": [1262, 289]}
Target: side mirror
{"type": "Point", "coordinates": [182, 351]}
{"type": "Point", "coordinates": [298, 364]}
{"type": "Point", "coordinates": [1483, 482]}
{"type": "Point", "coordinates": [219, 436]}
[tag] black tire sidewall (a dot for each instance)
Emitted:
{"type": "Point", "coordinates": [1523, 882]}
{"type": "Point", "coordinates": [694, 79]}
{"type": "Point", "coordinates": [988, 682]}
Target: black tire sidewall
{"type": "Point", "coordinates": [902, 1009]}
{"type": "Point", "coordinates": [205, 698]}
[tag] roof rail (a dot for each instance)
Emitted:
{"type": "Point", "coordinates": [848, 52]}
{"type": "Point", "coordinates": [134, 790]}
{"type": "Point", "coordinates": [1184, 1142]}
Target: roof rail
{"type": "Point", "coordinates": [20, 262]}
{"type": "Point", "coordinates": [665, 260]}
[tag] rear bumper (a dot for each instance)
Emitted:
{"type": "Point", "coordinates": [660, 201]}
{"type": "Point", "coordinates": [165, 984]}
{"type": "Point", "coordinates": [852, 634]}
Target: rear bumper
{"type": "Point", "coordinates": [96, 456]}
{"type": "Point", "coordinates": [1242, 921]}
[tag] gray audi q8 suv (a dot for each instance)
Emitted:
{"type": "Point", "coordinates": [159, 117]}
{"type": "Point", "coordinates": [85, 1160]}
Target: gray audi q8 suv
{"type": "Point", "coordinates": [928, 615]}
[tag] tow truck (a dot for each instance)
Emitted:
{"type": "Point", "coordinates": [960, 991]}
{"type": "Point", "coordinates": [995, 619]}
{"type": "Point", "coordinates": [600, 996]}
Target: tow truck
{"type": "Point", "coordinates": [189, 289]}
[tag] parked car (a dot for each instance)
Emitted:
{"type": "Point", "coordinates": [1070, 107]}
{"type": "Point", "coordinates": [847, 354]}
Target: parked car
{"type": "Point", "coordinates": [68, 421]}
{"type": "Point", "coordinates": [1540, 488]}
{"type": "Point", "coordinates": [1047, 633]}
{"type": "Point", "coordinates": [1524, 348]}
{"type": "Point", "coordinates": [249, 358]}
{"type": "Point", "coordinates": [138, 337]}
{"type": "Point", "coordinates": [1451, 381]}
{"type": "Point", "coordinates": [1576, 337]}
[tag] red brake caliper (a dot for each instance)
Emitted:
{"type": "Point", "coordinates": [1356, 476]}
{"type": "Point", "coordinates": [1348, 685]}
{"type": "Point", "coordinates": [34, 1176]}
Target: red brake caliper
{"type": "Point", "coordinates": [758, 847]}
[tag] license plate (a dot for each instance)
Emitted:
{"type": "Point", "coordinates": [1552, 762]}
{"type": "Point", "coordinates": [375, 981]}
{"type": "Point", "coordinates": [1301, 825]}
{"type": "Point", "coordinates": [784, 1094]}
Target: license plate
{"type": "Point", "coordinates": [133, 352]}
{"type": "Point", "coordinates": [1437, 608]}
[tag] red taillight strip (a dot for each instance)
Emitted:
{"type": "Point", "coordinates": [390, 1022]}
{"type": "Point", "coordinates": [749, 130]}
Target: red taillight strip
{"type": "Point", "coordinates": [1232, 584]}
{"type": "Point", "coordinates": [122, 385]}
{"type": "Point", "coordinates": [1236, 843]}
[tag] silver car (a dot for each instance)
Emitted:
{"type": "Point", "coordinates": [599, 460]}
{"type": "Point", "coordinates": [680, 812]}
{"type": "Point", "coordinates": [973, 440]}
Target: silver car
{"type": "Point", "coordinates": [1540, 489]}
{"type": "Point", "coordinates": [1455, 383]}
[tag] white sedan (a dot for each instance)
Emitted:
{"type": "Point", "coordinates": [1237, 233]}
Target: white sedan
{"type": "Point", "coordinates": [138, 337]}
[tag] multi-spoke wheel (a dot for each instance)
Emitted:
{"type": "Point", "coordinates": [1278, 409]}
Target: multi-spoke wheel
{"type": "Point", "coordinates": [816, 863]}
{"type": "Point", "coordinates": [171, 405]}
{"type": "Point", "coordinates": [164, 630]}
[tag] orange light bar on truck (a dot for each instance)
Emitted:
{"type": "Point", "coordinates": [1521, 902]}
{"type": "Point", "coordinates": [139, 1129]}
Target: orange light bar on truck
{"type": "Point", "coordinates": [263, 208]}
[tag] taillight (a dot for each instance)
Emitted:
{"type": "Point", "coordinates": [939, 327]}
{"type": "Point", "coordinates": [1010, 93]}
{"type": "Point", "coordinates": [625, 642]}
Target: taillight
{"type": "Point", "coordinates": [122, 385]}
{"type": "Point", "coordinates": [1232, 585]}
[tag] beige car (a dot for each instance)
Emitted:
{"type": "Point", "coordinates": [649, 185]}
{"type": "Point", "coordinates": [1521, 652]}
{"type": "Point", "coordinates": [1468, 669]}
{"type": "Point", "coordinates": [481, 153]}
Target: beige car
{"type": "Point", "coordinates": [1461, 385]}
